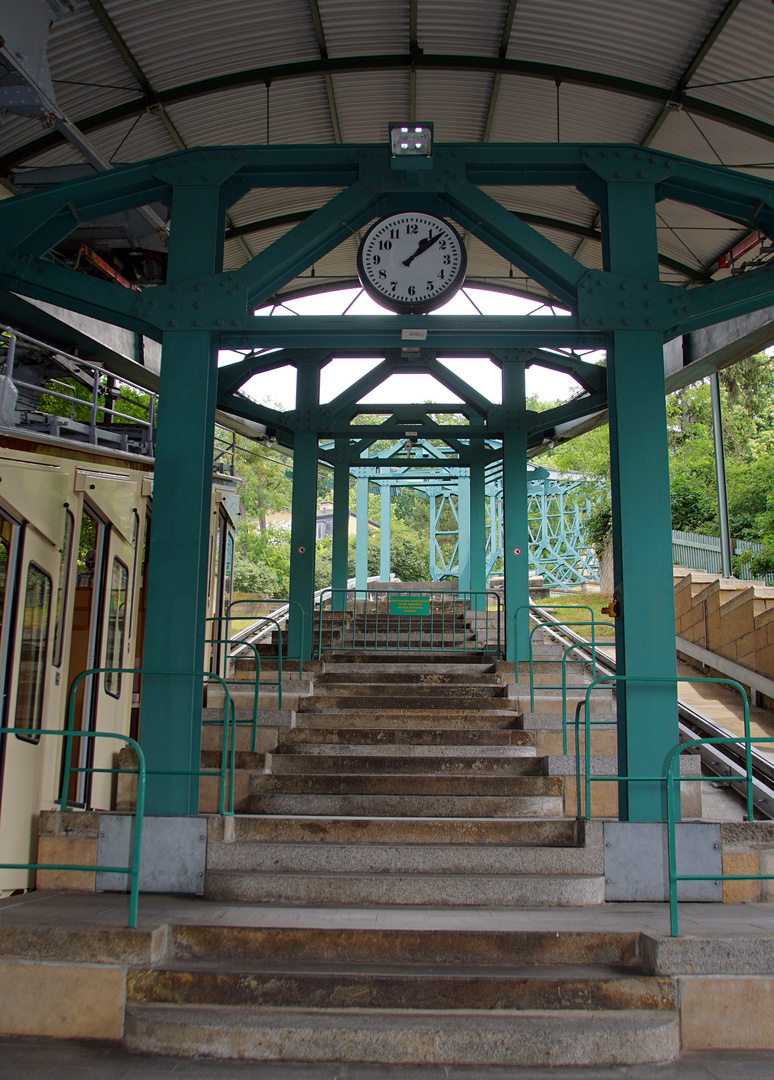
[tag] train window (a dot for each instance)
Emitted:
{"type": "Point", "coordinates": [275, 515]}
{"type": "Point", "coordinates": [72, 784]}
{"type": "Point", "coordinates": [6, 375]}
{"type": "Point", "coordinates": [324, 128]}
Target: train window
{"type": "Point", "coordinates": [116, 628]}
{"type": "Point", "coordinates": [34, 648]}
{"type": "Point", "coordinates": [63, 588]}
{"type": "Point", "coordinates": [6, 535]}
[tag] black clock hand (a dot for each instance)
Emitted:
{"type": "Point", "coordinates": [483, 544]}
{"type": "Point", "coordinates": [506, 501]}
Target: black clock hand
{"type": "Point", "coordinates": [423, 246]}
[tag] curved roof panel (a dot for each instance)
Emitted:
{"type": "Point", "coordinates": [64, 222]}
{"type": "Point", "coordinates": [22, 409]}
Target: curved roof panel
{"type": "Point", "coordinates": [145, 77]}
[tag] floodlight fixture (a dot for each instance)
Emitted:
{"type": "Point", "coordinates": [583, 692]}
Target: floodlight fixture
{"type": "Point", "coordinates": [411, 145]}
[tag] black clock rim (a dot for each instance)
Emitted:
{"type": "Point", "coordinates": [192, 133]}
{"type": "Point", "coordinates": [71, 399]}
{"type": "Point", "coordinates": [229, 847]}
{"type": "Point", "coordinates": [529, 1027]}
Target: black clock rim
{"type": "Point", "coordinates": [405, 307]}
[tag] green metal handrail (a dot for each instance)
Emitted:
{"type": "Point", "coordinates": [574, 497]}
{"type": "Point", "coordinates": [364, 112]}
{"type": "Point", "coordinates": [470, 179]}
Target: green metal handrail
{"type": "Point", "coordinates": [556, 625]}
{"type": "Point", "coordinates": [671, 780]}
{"type": "Point", "coordinates": [577, 645]}
{"type": "Point", "coordinates": [262, 618]}
{"type": "Point", "coordinates": [72, 733]}
{"type": "Point", "coordinates": [256, 684]}
{"type": "Point", "coordinates": [273, 600]}
{"type": "Point", "coordinates": [455, 598]}
{"type": "Point", "coordinates": [668, 679]}
{"type": "Point", "coordinates": [134, 867]}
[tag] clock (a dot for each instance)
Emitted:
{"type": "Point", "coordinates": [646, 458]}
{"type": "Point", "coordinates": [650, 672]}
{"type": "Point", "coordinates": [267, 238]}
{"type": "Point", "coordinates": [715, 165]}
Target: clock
{"type": "Point", "coordinates": [412, 262]}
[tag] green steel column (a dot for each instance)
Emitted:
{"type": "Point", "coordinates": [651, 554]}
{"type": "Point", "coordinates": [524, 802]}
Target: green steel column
{"type": "Point", "coordinates": [478, 531]}
{"type": "Point", "coordinates": [303, 529]}
{"type": "Point", "coordinates": [340, 553]}
{"type": "Point", "coordinates": [515, 526]}
{"type": "Point", "coordinates": [642, 538]}
{"type": "Point", "coordinates": [463, 532]}
{"type": "Point", "coordinates": [361, 546]}
{"type": "Point", "coordinates": [179, 545]}
{"type": "Point", "coordinates": [385, 528]}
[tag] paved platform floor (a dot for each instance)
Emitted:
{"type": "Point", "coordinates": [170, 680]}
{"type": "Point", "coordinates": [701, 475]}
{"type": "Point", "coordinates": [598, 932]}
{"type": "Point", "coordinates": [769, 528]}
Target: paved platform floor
{"type": "Point", "coordinates": [57, 1059]}
{"type": "Point", "coordinates": [106, 910]}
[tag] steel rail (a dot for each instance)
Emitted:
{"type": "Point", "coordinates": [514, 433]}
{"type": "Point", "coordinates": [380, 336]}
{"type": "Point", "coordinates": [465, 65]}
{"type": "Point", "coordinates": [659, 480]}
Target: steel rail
{"type": "Point", "coordinates": [723, 761]}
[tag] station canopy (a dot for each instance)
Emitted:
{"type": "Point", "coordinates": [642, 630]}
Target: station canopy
{"type": "Point", "coordinates": [119, 81]}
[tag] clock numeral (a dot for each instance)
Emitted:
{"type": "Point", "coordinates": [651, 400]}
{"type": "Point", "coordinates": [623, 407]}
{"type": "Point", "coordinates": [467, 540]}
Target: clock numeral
{"type": "Point", "coordinates": [430, 285]}
{"type": "Point", "coordinates": [411, 290]}
{"type": "Point", "coordinates": [385, 245]}
{"type": "Point", "coordinates": [442, 245]}
{"type": "Point", "coordinates": [411, 230]}
{"type": "Point", "coordinates": [376, 260]}
{"type": "Point", "coordinates": [393, 285]}
{"type": "Point", "coordinates": [394, 234]}
{"type": "Point", "coordinates": [442, 275]}
{"type": "Point", "coordinates": [446, 260]}
{"type": "Point", "coordinates": [382, 273]}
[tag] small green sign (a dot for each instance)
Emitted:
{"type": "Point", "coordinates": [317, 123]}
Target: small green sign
{"type": "Point", "coordinates": [409, 605]}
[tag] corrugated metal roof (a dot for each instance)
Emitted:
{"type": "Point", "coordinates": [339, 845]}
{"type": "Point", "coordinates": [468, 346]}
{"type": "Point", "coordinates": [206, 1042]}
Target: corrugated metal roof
{"type": "Point", "coordinates": [653, 41]}
{"type": "Point", "coordinates": [178, 42]}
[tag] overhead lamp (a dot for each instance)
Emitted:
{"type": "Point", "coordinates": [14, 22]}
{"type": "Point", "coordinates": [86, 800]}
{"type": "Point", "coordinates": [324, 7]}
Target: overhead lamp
{"type": "Point", "coordinates": [411, 146]}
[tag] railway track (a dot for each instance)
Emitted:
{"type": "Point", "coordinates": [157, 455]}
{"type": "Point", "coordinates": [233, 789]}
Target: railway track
{"type": "Point", "coordinates": [726, 762]}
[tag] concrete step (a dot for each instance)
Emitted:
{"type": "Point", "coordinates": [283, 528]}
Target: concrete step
{"type": "Point", "coordinates": [432, 719]}
{"type": "Point", "coordinates": [474, 860]}
{"type": "Point", "coordinates": [385, 805]}
{"type": "Point", "coordinates": [552, 720]}
{"type": "Point", "coordinates": [400, 739]}
{"type": "Point", "coordinates": [421, 890]}
{"type": "Point", "coordinates": [399, 675]}
{"type": "Point", "coordinates": [415, 670]}
{"type": "Point", "coordinates": [392, 700]}
{"type": "Point", "coordinates": [462, 785]}
{"type": "Point", "coordinates": [441, 765]}
{"type": "Point", "coordinates": [297, 828]}
{"type": "Point", "coordinates": [349, 656]}
{"type": "Point", "coordinates": [374, 685]}
{"type": "Point", "coordinates": [303, 985]}
{"type": "Point", "coordinates": [529, 1038]}
{"type": "Point", "coordinates": [442, 754]}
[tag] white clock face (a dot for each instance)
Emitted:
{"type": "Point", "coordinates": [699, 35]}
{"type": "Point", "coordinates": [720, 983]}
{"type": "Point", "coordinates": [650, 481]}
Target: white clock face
{"type": "Point", "coordinates": [411, 262]}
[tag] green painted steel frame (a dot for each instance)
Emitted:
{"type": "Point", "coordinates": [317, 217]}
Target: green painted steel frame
{"type": "Point", "coordinates": [624, 307]}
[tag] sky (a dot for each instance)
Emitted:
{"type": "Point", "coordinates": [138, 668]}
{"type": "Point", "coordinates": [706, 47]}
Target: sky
{"type": "Point", "coordinates": [278, 387]}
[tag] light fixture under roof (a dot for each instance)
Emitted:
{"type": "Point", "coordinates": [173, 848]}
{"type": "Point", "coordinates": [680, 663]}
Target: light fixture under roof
{"type": "Point", "coordinates": [411, 146]}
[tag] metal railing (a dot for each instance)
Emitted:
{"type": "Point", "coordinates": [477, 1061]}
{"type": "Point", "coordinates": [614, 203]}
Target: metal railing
{"type": "Point", "coordinates": [228, 759]}
{"type": "Point", "coordinates": [439, 622]}
{"type": "Point", "coordinates": [671, 781]}
{"type": "Point", "coordinates": [248, 644]}
{"type": "Point", "coordinates": [241, 682]}
{"type": "Point", "coordinates": [133, 869]}
{"type": "Point", "coordinates": [279, 616]}
{"type": "Point", "coordinates": [607, 777]}
{"type": "Point", "coordinates": [102, 391]}
{"type": "Point", "coordinates": [577, 645]}
{"type": "Point", "coordinates": [555, 626]}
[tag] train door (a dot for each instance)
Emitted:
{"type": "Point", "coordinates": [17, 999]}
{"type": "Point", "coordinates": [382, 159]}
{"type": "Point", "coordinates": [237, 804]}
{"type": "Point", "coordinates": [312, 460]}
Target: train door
{"type": "Point", "coordinates": [223, 575]}
{"type": "Point", "coordinates": [85, 643]}
{"type": "Point", "coordinates": [27, 580]}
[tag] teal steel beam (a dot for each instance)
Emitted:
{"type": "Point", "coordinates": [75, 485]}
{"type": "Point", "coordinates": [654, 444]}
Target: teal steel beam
{"type": "Point", "coordinates": [385, 530]}
{"type": "Point", "coordinates": [303, 527]}
{"type": "Point", "coordinates": [515, 525]}
{"type": "Point", "coordinates": [642, 537]}
{"type": "Point", "coordinates": [232, 376]}
{"type": "Point", "coordinates": [308, 241]}
{"type": "Point", "coordinates": [590, 376]}
{"type": "Point", "coordinates": [340, 552]}
{"type": "Point", "coordinates": [274, 73]}
{"type": "Point", "coordinates": [361, 535]}
{"type": "Point", "coordinates": [478, 531]}
{"type": "Point", "coordinates": [457, 385]}
{"type": "Point", "coordinates": [463, 532]}
{"type": "Point", "coordinates": [540, 221]}
{"type": "Point", "coordinates": [179, 547]}
{"type": "Point", "coordinates": [348, 398]}
{"type": "Point", "coordinates": [444, 332]}
{"type": "Point", "coordinates": [515, 241]}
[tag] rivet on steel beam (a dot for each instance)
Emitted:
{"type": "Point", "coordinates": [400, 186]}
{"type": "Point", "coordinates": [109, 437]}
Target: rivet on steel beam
{"type": "Point", "coordinates": [220, 322]}
{"type": "Point", "coordinates": [199, 304]}
{"type": "Point", "coordinates": [173, 322]}
{"type": "Point", "coordinates": [627, 322]}
{"type": "Point", "coordinates": [200, 287]}
{"type": "Point", "coordinates": [175, 304]}
{"type": "Point", "coordinates": [175, 288]}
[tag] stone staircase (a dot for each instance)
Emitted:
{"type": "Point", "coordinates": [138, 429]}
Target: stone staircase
{"type": "Point", "coordinates": [402, 997]}
{"type": "Point", "coordinates": [408, 781]}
